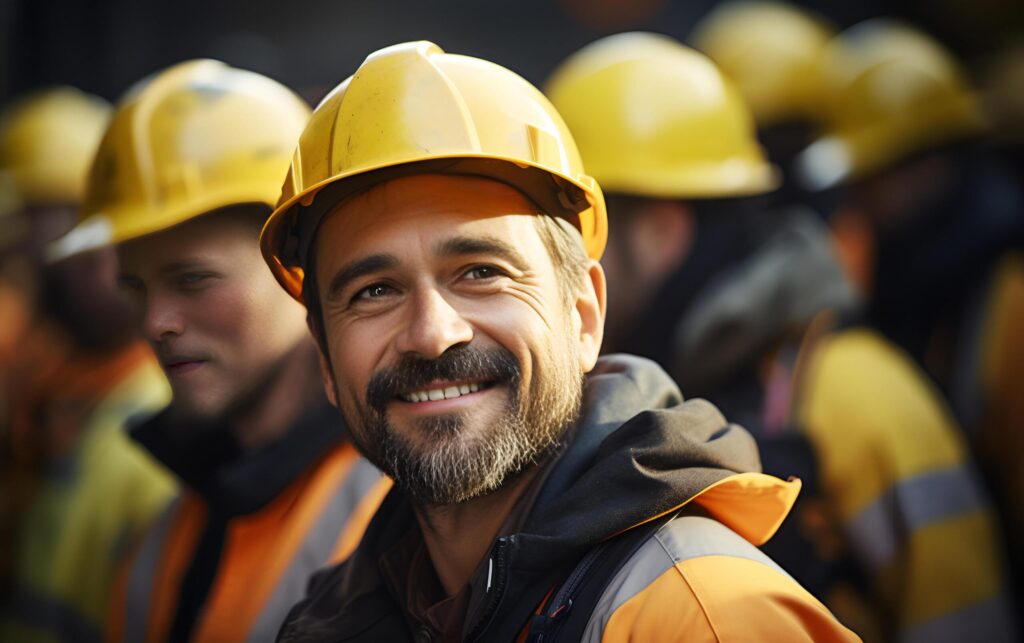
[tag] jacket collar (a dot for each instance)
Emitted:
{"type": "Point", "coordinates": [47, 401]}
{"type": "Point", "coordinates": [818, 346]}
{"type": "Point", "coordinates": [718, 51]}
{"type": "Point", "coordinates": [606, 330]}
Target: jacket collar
{"type": "Point", "coordinates": [232, 480]}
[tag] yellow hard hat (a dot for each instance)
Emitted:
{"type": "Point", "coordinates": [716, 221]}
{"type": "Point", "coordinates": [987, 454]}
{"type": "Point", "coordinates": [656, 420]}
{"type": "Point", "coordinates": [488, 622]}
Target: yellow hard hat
{"type": "Point", "coordinates": [194, 138]}
{"type": "Point", "coordinates": [47, 141]}
{"type": "Point", "coordinates": [655, 118]}
{"type": "Point", "coordinates": [772, 51]}
{"type": "Point", "coordinates": [412, 108]}
{"type": "Point", "coordinates": [894, 92]}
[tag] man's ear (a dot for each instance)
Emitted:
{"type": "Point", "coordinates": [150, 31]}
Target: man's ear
{"type": "Point", "coordinates": [590, 308]}
{"type": "Point", "coordinates": [661, 235]}
{"type": "Point", "coordinates": [325, 364]}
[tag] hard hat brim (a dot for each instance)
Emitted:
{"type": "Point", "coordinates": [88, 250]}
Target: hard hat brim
{"type": "Point", "coordinates": [556, 194]}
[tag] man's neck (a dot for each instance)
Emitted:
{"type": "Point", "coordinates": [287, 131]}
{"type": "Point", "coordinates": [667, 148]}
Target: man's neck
{"type": "Point", "coordinates": [459, 536]}
{"type": "Point", "coordinates": [270, 409]}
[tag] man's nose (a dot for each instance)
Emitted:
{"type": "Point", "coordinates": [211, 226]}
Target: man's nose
{"type": "Point", "coordinates": [161, 318]}
{"type": "Point", "coordinates": [434, 327]}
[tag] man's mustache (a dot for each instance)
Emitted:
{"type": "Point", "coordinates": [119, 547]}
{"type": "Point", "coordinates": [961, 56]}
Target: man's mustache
{"type": "Point", "coordinates": [464, 363]}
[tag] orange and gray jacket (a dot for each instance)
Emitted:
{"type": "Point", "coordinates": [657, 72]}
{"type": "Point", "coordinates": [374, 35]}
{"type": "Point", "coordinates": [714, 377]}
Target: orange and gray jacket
{"type": "Point", "coordinates": [228, 558]}
{"type": "Point", "coordinates": [668, 490]}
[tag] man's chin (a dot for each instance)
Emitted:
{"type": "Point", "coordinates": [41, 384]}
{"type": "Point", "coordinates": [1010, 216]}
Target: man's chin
{"type": "Point", "coordinates": [447, 465]}
{"type": "Point", "coordinates": [190, 405]}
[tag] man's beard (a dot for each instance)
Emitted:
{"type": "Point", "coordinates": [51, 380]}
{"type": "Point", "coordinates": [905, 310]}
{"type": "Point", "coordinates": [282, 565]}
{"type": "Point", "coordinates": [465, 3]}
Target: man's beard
{"type": "Point", "coordinates": [453, 467]}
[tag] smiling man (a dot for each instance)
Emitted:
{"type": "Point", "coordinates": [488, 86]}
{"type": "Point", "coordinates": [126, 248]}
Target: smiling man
{"type": "Point", "coordinates": [184, 178]}
{"type": "Point", "coordinates": [438, 225]}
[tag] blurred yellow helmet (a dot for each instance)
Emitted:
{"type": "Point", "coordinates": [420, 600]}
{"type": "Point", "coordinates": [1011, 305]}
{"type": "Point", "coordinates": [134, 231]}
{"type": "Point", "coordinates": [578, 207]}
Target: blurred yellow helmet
{"type": "Point", "coordinates": [47, 141]}
{"type": "Point", "coordinates": [655, 118]}
{"type": "Point", "coordinates": [410, 109]}
{"type": "Point", "coordinates": [194, 138]}
{"type": "Point", "coordinates": [894, 92]}
{"type": "Point", "coordinates": [772, 51]}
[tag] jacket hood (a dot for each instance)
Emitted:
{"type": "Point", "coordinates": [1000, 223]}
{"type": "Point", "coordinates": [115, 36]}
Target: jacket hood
{"type": "Point", "coordinates": [641, 452]}
{"type": "Point", "coordinates": [791, 277]}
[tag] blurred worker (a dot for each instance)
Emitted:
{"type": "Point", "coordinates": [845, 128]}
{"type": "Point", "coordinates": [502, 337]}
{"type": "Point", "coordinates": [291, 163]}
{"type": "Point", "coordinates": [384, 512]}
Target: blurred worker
{"type": "Point", "coordinates": [746, 306]}
{"type": "Point", "coordinates": [75, 490]}
{"type": "Point", "coordinates": [182, 183]}
{"type": "Point", "coordinates": [772, 51]}
{"type": "Point", "coordinates": [948, 224]}
{"type": "Point", "coordinates": [439, 226]}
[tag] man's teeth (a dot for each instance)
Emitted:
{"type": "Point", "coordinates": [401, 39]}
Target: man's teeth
{"type": "Point", "coordinates": [435, 394]}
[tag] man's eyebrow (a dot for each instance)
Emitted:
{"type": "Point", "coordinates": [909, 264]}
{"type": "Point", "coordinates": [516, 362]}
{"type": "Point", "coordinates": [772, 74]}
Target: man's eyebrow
{"type": "Point", "coordinates": [359, 268]}
{"type": "Point", "coordinates": [481, 245]}
{"type": "Point", "coordinates": [184, 264]}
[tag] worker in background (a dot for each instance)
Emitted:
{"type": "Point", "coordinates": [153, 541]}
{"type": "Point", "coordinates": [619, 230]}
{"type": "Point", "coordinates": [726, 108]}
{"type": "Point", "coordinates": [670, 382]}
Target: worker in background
{"type": "Point", "coordinates": [183, 180]}
{"type": "Point", "coordinates": [745, 305]}
{"type": "Point", "coordinates": [902, 143]}
{"type": "Point", "coordinates": [75, 490]}
{"type": "Point", "coordinates": [439, 226]}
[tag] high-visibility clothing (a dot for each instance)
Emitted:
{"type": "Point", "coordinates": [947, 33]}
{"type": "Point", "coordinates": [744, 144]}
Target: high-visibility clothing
{"type": "Point", "coordinates": [636, 457]}
{"type": "Point", "coordinates": [92, 494]}
{"type": "Point", "coordinates": [264, 562]}
{"type": "Point", "coordinates": [897, 475]}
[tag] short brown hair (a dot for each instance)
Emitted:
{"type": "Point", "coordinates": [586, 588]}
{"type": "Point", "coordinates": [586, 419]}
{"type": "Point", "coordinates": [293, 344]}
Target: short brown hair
{"type": "Point", "coordinates": [565, 247]}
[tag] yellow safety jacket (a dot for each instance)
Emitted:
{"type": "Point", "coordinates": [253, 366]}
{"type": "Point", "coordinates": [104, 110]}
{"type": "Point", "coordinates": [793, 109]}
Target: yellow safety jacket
{"type": "Point", "coordinates": [897, 479]}
{"type": "Point", "coordinates": [89, 505]}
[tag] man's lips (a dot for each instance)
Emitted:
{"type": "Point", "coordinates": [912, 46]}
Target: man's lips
{"type": "Point", "coordinates": [436, 395]}
{"type": "Point", "coordinates": [182, 366]}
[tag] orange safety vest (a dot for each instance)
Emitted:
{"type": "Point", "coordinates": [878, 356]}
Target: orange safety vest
{"type": "Point", "coordinates": [265, 561]}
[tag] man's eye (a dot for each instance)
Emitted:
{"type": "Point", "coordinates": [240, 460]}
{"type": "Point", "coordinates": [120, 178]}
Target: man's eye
{"type": "Point", "coordinates": [376, 291]}
{"type": "Point", "coordinates": [483, 272]}
{"type": "Point", "coordinates": [193, 279]}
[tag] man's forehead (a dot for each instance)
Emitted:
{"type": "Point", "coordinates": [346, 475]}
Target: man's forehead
{"type": "Point", "coordinates": [444, 205]}
{"type": "Point", "coordinates": [202, 240]}
{"type": "Point", "coordinates": [430, 194]}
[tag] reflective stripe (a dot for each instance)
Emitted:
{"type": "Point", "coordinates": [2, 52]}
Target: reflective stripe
{"type": "Point", "coordinates": [681, 539]}
{"type": "Point", "coordinates": [991, 621]}
{"type": "Point", "coordinates": [879, 529]}
{"type": "Point", "coordinates": [142, 576]}
{"type": "Point", "coordinates": [315, 551]}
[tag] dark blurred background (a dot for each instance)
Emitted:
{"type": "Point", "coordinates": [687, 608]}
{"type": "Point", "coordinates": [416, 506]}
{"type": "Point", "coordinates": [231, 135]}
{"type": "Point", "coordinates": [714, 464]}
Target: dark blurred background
{"type": "Point", "coordinates": [104, 46]}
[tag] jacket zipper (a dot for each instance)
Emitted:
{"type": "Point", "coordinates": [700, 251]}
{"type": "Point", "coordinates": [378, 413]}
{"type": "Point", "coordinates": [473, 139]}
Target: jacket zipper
{"type": "Point", "coordinates": [497, 588]}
